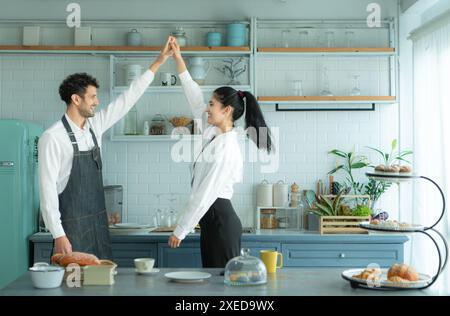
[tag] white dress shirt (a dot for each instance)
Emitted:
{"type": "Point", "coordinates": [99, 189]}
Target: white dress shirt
{"type": "Point", "coordinates": [217, 167]}
{"type": "Point", "coordinates": [56, 152]}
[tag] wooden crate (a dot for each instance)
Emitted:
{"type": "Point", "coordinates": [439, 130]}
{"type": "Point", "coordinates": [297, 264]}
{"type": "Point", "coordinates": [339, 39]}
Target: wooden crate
{"type": "Point", "coordinates": [342, 224]}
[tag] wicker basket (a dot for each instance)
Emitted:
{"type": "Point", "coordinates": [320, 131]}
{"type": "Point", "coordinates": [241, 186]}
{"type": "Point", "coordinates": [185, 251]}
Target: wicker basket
{"type": "Point", "coordinates": [342, 224]}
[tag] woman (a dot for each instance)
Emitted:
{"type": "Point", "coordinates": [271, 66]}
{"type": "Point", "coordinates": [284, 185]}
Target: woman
{"type": "Point", "coordinates": [217, 167]}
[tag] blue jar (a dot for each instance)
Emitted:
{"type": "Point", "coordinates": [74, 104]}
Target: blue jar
{"type": "Point", "coordinates": [213, 39]}
{"type": "Point", "coordinates": [236, 34]}
{"type": "Point", "coordinates": [134, 38]}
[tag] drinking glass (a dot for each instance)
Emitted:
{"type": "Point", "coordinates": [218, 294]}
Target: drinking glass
{"type": "Point", "coordinates": [330, 39]}
{"type": "Point", "coordinates": [355, 90]}
{"type": "Point", "coordinates": [285, 34]}
{"type": "Point", "coordinates": [349, 39]}
{"type": "Point", "coordinates": [297, 88]}
{"type": "Point", "coordinates": [326, 84]}
{"type": "Point", "coordinates": [303, 37]}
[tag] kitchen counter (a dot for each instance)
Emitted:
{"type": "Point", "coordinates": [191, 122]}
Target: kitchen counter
{"type": "Point", "coordinates": [286, 282]}
{"type": "Point", "coordinates": [259, 235]}
{"type": "Point", "coordinates": [299, 248]}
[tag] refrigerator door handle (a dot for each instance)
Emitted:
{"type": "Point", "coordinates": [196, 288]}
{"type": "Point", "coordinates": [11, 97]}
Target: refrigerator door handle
{"type": "Point", "coordinates": [6, 164]}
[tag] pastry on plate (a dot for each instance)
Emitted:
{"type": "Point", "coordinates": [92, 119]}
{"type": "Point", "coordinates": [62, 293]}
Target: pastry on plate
{"type": "Point", "coordinates": [369, 274]}
{"type": "Point", "coordinates": [402, 273]}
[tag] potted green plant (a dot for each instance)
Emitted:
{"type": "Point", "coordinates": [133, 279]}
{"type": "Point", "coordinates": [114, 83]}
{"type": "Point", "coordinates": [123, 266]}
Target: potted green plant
{"type": "Point", "coordinates": [353, 161]}
{"type": "Point", "coordinates": [336, 216]}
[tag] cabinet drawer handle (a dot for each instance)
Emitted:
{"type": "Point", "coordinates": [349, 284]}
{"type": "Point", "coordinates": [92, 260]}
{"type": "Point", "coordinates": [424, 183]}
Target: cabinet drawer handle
{"type": "Point", "coordinates": [342, 255]}
{"type": "Point", "coordinates": [6, 164]}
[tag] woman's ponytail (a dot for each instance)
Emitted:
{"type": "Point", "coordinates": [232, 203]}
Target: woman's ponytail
{"type": "Point", "coordinates": [255, 124]}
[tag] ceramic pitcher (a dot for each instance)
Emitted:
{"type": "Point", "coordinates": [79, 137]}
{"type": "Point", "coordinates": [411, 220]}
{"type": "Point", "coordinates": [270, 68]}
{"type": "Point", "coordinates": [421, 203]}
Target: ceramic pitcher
{"type": "Point", "coordinates": [199, 69]}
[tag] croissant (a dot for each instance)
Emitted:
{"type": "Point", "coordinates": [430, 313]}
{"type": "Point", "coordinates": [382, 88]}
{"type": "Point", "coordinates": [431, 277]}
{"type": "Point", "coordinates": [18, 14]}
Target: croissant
{"type": "Point", "coordinates": [402, 271]}
{"type": "Point", "coordinates": [80, 258]}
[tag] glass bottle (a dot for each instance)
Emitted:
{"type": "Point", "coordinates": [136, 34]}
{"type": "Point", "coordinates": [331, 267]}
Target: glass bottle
{"type": "Point", "coordinates": [130, 126]}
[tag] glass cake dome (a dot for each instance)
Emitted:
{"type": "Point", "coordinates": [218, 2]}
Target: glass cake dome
{"type": "Point", "coordinates": [245, 270]}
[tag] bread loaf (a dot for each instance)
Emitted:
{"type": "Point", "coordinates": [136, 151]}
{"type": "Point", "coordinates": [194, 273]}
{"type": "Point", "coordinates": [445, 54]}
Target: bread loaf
{"type": "Point", "coordinates": [56, 258]}
{"type": "Point", "coordinates": [402, 271]}
{"type": "Point", "coordinates": [80, 258]}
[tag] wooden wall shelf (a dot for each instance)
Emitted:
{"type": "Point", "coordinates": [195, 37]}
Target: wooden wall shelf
{"type": "Point", "coordinates": [326, 50]}
{"type": "Point", "coordinates": [98, 49]}
{"type": "Point", "coordinates": [325, 98]}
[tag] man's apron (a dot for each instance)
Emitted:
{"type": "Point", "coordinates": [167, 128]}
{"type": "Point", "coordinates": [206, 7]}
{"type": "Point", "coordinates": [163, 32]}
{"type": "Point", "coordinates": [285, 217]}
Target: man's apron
{"type": "Point", "coordinates": [82, 203]}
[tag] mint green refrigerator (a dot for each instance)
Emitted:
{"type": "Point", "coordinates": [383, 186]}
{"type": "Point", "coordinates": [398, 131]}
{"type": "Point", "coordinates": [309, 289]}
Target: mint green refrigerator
{"type": "Point", "coordinates": [19, 196]}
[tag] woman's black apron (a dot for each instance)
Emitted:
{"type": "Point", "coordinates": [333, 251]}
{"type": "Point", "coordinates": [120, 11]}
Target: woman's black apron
{"type": "Point", "coordinates": [82, 203]}
{"type": "Point", "coordinates": [220, 234]}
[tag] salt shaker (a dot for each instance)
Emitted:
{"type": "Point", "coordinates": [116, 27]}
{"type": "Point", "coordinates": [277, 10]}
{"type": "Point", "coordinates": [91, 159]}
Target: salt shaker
{"type": "Point", "coordinates": [146, 128]}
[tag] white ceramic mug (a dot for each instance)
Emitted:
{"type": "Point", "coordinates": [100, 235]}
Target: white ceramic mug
{"type": "Point", "coordinates": [167, 79]}
{"type": "Point", "coordinates": [144, 264]}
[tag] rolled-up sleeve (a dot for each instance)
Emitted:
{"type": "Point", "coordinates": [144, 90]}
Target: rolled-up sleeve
{"type": "Point", "coordinates": [48, 168]}
{"type": "Point", "coordinates": [108, 116]}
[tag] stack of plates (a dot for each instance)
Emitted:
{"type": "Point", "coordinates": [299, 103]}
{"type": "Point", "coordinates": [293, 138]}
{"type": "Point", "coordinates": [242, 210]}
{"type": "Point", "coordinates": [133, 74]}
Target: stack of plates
{"type": "Point", "coordinates": [130, 228]}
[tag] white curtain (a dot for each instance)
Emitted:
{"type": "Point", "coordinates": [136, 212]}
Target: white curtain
{"type": "Point", "coordinates": [431, 143]}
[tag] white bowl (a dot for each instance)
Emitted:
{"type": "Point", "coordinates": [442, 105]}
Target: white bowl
{"type": "Point", "coordinates": [45, 276]}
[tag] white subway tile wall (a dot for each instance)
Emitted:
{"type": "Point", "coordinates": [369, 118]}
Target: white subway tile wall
{"type": "Point", "coordinates": [152, 181]}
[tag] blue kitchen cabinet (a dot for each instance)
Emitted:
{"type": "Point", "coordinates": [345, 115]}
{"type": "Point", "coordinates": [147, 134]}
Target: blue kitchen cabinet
{"type": "Point", "coordinates": [125, 253]}
{"type": "Point", "coordinates": [341, 254]}
{"type": "Point", "coordinates": [256, 247]}
{"type": "Point", "coordinates": [186, 256]}
{"type": "Point", "coordinates": [299, 250]}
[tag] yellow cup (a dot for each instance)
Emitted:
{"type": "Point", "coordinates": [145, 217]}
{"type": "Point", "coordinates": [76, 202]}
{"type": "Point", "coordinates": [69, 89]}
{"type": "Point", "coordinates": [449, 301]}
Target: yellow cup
{"type": "Point", "coordinates": [270, 258]}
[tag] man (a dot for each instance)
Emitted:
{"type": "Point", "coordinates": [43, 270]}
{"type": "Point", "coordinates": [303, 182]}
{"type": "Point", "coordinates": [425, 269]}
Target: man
{"type": "Point", "coordinates": [70, 164]}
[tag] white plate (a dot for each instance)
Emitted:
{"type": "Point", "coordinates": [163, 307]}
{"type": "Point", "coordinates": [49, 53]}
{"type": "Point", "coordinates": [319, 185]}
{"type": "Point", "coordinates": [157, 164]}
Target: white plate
{"type": "Point", "coordinates": [130, 226]}
{"type": "Point", "coordinates": [187, 276]}
{"type": "Point", "coordinates": [411, 227]}
{"type": "Point", "coordinates": [384, 282]}
{"type": "Point", "coordinates": [152, 271]}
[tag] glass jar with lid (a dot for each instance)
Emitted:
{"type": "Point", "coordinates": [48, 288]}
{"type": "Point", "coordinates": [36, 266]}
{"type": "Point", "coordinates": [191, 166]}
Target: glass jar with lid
{"type": "Point", "coordinates": [245, 270]}
{"type": "Point", "coordinates": [180, 35]}
{"type": "Point", "coordinates": [158, 125]}
{"type": "Point", "coordinates": [130, 125]}
{"type": "Point", "coordinates": [268, 219]}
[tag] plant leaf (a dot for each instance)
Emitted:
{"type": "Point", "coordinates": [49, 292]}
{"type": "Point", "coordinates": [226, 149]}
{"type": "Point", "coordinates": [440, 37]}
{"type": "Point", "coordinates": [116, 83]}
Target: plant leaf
{"type": "Point", "coordinates": [338, 153]}
{"type": "Point", "coordinates": [405, 160]}
{"type": "Point", "coordinates": [325, 210]}
{"type": "Point", "coordinates": [328, 202]}
{"type": "Point", "coordinates": [335, 169]}
{"type": "Point", "coordinates": [377, 150]}
{"type": "Point", "coordinates": [359, 165]}
{"type": "Point", "coordinates": [394, 144]}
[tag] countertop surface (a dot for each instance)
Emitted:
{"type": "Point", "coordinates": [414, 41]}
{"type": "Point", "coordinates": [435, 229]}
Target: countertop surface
{"type": "Point", "coordinates": [257, 235]}
{"type": "Point", "coordinates": [286, 282]}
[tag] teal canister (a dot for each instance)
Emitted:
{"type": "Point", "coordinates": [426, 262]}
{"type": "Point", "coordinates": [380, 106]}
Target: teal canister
{"type": "Point", "coordinates": [134, 38]}
{"type": "Point", "coordinates": [236, 34]}
{"type": "Point", "coordinates": [213, 39]}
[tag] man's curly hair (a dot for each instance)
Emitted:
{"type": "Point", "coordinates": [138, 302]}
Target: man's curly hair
{"type": "Point", "coordinates": [76, 84]}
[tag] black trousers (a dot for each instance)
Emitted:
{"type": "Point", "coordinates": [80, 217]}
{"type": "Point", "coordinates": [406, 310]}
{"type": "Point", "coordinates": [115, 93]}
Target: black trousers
{"type": "Point", "coordinates": [220, 234]}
